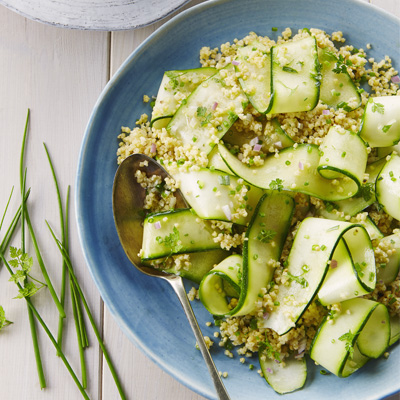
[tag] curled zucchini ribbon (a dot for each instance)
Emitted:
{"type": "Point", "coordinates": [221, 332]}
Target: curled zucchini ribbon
{"type": "Point", "coordinates": [334, 171]}
{"type": "Point", "coordinates": [331, 259]}
{"type": "Point", "coordinates": [245, 276]}
{"type": "Point", "coordinates": [361, 331]}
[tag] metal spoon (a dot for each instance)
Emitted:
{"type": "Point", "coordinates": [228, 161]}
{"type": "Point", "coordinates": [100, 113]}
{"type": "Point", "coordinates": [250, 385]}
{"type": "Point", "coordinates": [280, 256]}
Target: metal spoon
{"type": "Point", "coordinates": [128, 200]}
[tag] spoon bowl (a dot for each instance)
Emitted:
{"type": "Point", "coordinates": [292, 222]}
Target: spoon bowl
{"type": "Point", "coordinates": [128, 201]}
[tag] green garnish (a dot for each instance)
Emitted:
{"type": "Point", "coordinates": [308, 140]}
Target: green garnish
{"type": "Point", "coordinates": [359, 268]}
{"type": "Point", "coordinates": [378, 107]}
{"type": "Point", "coordinates": [3, 321]}
{"type": "Point", "coordinates": [366, 191]}
{"type": "Point", "coordinates": [224, 180]}
{"type": "Point", "coordinates": [276, 184]}
{"type": "Point", "coordinates": [267, 348]}
{"type": "Point", "coordinates": [386, 128]}
{"type": "Point", "coordinates": [266, 235]}
{"type": "Point", "coordinates": [340, 67]}
{"type": "Point", "coordinates": [299, 279]}
{"type": "Point", "coordinates": [289, 69]}
{"type": "Point", "coordinates": [349, 339]}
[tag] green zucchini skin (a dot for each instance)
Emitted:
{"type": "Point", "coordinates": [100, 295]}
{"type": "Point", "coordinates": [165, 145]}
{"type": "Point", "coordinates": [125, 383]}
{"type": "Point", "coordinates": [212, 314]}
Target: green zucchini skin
{"type": "Point", "coordinates": [294, 170]}
{"type": "Point", "coordinates": [181, 82]}
{"type": "Point", "coordinates": [263, 243]}
{"type": "Point", "coordinates": [210, 192]}
{"type": "Point", "coordinates": [200, 263]}
{"type": "Point", "coordinates": [388, 273]}
{"type": "Point", "coordinates": [175, 232]}
{"type": "Point", "coordinates": [254, 68]}
{"type": "Point", "coordinates": [336, 346]}
{"type": "Point", "coordinates": [308, 264]}
{"type": "Point", "coordinates": [387, 186]}
{"type": "Point", "coordinates": [295, 65]}
{"type": "Point", "coordinates": [209, 111]}
{"type": "Point", "coordinates": [380, 125]}
{"type": "Point", "coordinates": [285, 379]}
{"type": "Point", "coordinates": [337, 88]}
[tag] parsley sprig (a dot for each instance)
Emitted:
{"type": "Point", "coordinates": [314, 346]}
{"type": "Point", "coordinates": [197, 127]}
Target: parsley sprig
{"type": "Point", "coordinates": [276, 184]}
{"type": "Point", "coordinates": [22, 264]}
{"type": "Point", "coordinates": [171, 241]}
{"type": "Point", "coordinates": [202, 114]}
{"type": "Point", "coordinates": [349, 339]}
{"type": "Point", "coordinates": [340, 67]}
{"type": "Point", "coordinates": [19, 268]}
{"type": "Point", "coordinates": [266, 235]}
{"type": "Point", "coordinates": [267, 348]}
{"type": "Point", "coordinates": [378, 107]}
{"type": "Point", "coordinates": [3, 321]}
{"type": "Point", "coordinates": [366, 191]}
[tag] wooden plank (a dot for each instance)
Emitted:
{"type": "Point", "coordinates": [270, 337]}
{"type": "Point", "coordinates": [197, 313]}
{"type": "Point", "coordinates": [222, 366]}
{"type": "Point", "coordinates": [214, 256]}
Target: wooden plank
{"type": "Point", "coordinates": [59, 75]}
{"type": "Point", "coordinates": [391, 6]}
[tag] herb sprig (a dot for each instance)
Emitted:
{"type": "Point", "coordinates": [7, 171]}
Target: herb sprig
{"type": "Point", "coordinates": [19, 268]}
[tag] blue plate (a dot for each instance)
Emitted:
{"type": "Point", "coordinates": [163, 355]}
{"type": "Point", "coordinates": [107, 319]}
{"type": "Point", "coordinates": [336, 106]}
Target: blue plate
{"type": "Point", "coordinates": [146, 308]}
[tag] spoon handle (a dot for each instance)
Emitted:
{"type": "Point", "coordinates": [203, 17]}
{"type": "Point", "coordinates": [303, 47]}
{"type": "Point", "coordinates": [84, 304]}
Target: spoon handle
{"type": "Point", "coordinates": [179, 289]}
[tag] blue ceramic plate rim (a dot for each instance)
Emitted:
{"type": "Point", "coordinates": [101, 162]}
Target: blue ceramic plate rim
{"type": "Point", "coordinates": [81, 199]}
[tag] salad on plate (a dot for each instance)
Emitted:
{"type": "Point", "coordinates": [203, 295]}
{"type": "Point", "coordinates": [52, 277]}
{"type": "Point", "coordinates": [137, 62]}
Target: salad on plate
{"type": "Point", "coordinates": [287, 153]}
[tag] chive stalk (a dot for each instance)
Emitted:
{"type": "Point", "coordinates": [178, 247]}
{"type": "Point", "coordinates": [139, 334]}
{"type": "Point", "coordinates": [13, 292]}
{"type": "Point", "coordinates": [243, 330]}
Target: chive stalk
{"type": "Point", "coordinates": [32, 326]}
{"type": "Point", "coordinates": [64, 268]}
{"type": "Point", "coordinates": [88, 312]}
{"type": "Point", "coordinates": [46, 329]}
{"type": "Point", "coordinates": [26, 218]}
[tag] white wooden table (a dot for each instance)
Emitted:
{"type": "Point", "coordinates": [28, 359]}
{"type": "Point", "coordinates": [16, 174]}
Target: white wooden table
{"type": "Point", "coordinates": [59, 73]}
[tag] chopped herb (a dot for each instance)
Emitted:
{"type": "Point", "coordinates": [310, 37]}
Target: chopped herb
{"type": "Point", "coordinates": [253, 323]}
{"type": "Point", "coordinates": [200, 184]}
{"type": "Point", "coordinates": [349, 338]}
{"type": "Point", "coordinates": [266, 347]}
{"type": "Point", "coordinates": [344, 106]}
{"type": "Point", "coordinates": [378, 107]}
{"type": "Point", "coordinates": [274, 29]}
{"type": "Point", "coordinates": [3, 321]}
{"type": "Point", "coordinates": [343, 154]}
{"type": "Point", "coordinates": [366, 191]}
{"type": "Point", "coordinates": [386, 128]}
{"type": "Point", "coordinates": [392, 300]}
{"type": "Point", "coordinates": [224, 180]}
{"type": "Point", "coordinates": [266, 235]}
{"type": "Point", "coordinates": [276, 184]}
{"type": "Point", "coordinates": [201, 111]}
{"type": "Point", "coordinates": [299, 279]}
{"type": "Point", "coordinates": [340, 67]}
{"type": "Point", "coordinates": [172, 241]}
{"type": "Point", "coordinates": [371, 276]}
{"type": "Point", "coordinates": [289, 69]}
{"type": "Point", "coordinates": [287, 162]}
